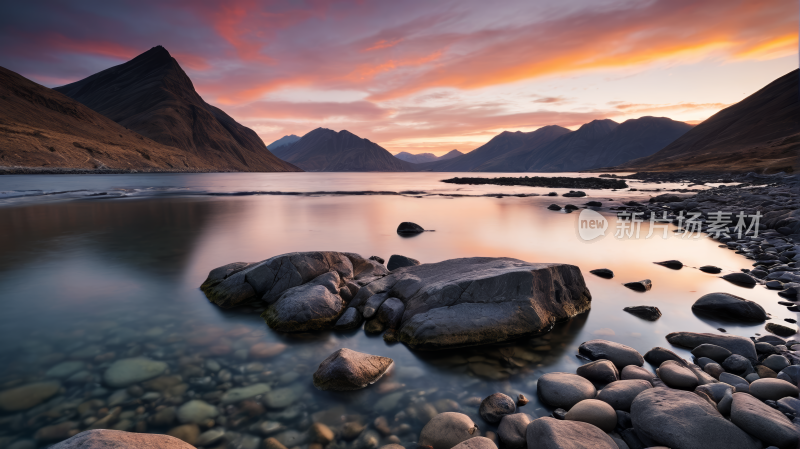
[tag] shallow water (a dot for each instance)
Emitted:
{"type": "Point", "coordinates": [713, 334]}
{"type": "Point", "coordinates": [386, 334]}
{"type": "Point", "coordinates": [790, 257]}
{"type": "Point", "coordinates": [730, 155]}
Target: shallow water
{"type": "Point", "coordinates": [98, 278]}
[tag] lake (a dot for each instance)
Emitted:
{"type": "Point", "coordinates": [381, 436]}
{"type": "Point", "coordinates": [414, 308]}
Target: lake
{"type": "Point", "coordinates": [98, 268]}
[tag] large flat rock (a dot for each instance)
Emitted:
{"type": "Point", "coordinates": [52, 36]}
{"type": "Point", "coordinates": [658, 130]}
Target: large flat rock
{"type": "Point", "coordinates": [479, 300]}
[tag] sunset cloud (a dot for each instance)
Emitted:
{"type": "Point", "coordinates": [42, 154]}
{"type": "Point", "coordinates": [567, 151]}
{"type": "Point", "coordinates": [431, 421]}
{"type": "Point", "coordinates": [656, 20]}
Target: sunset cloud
{"type": "Point", "coordinates": [419, 72]}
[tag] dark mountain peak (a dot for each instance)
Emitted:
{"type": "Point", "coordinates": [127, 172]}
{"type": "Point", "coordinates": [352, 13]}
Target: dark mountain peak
{"type": "Point", "coordinates": [152, 95]}
{"type": "Point", "coordinates": [452, 153]}
{"type": "Point", "coordinates": [604, 125]}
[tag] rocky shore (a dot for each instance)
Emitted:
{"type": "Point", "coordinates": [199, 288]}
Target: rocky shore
{"type": "Point", "coordinates": [97, 171]}
{"type": "Point", "coordinates": [540, 181]}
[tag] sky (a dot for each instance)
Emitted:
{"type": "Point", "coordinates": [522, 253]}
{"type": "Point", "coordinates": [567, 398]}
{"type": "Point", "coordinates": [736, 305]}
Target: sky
{"type": "Point", "coordinates": [420, 75]}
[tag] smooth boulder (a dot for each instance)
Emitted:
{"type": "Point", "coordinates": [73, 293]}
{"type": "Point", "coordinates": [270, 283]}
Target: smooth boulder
{"type": "Point", "coordinates": [735, 344]}
{"type": "Point", "coordinates": [479, 300]}
{"type": "Point", "coordinates": [496, 406]}
{"type": "Point", "coordinates": [772, 389]}
{"type": "Point", "coordinates": [476, 443]}
{"type": "Point", "coordinates": [397, 261]}
{"type": "Point", "coordinates": [603, 371]}
{"type": "Point", "coordinates": [780, 329]}
{"type": "Point", "coordinates": [620, 394]}
{"type": "Point", "coordinates": [117, 439]}
{"type": "Point", "coordinates": [446, 430]}
{"type": "Point", "coordinates": [563, 390]}
{"type": "Point", "coordinates": [713, 352]}
{"type": "Point", "coordinates": [409, 228]}
{"type": "Point", "coordinates": [551, 433]}
{"type": "Point", "coordinates": [740, 279]}
{"type": "Point", "coordinates": [346, 370]}
{"type": "Point", "coordinates": [594, 412]}
{"type": "Point", "coordinates": [636, 372]}
{"type": "Point", "coordinates": [673, 264]}
{"type": "Point", "coordinates": [512, 430]}
{"type": "Point", "coordinates": [313, 306]}
{"type": "Point", "coordinates": [730, 307]}
{"type": "Point", "coordinates": [619, 354]}
{"type": "Point", "coordinates": [763, 422]}
{"type": "Point", "coordinates": [27, 396]}
{"type": "Point", "coordinates": [676, 375]}
{"type": "Point", "coordinates": [659, 355]}
{"type": "Point", "coordinates": [603, 273]}
{"type": "Point", "coordinates": [684, 420]}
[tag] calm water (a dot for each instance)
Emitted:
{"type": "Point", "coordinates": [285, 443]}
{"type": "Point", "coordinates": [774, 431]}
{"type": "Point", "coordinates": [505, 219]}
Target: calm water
{"type": "Point", "coordinates": [111, 270]}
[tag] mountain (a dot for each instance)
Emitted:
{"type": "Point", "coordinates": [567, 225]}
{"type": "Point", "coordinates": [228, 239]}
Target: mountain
{"type": "Point", "coordinates": [602, 143]}
{"type": "Point", "coordinates": [283, 141]}
{"type": "Point", "coordinates": [152, 95]}
{"type": "Point", "coordinates": [416, 158]}
{"type": "Point", "coordinates": [566, 152]}
{"type": "Point", "coordinates": [326, 150]}
{"type": "Point", "coordinates": [760, 133]}
{"type": "Point", "coordinates": [40, 127]}
{"type": "Point", "coordinates": [488, 156]}
{"type": "Point", "coordinates": [426, 157]}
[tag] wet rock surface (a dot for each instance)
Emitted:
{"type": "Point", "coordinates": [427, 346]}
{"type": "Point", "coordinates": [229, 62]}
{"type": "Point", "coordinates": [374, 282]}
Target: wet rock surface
{"type": "Point", "coordinates": [350, 370]}
{"type": "Point", "coordinates": [725, 305]}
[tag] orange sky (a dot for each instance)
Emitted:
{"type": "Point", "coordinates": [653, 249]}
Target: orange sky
{"type": "Point", "coordinates": [425, 76]}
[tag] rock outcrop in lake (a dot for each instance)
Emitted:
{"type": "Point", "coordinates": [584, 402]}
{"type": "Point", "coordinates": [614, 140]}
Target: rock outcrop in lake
{"type": "Point", "coordinates": [458, 302]}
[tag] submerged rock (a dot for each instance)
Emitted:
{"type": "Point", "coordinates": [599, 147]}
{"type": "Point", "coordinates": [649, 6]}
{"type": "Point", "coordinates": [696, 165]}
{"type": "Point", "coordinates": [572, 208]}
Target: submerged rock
{"type": "Point", "coordinates": [346, 370]}
{"type": "Point", "coordinates": [398, 261]}
{"type": "Point", "coordinates": [640, 286]}
{"type": "Point", "coordinates": [27, 396]}
{"type": "Point", "coordinates": [125, 372]}
{"type": "Point", "coordinates": [116, 439]}
{"type": "Point", "coordinates": [554, 207]}
{"type": "Point", "coordinates": [648, 313]}
{"type": "Point", "coordinates": [724, 305]}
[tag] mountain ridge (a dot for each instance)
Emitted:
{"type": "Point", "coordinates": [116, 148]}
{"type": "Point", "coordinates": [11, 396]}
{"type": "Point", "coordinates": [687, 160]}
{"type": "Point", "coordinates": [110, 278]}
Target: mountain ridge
{"type": "Point", "coordinates": [152, 95]}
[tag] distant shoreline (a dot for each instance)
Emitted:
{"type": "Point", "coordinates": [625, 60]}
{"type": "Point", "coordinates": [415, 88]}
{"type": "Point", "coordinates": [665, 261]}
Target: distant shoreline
{"type": "Point", "coordinates": [98, 171]}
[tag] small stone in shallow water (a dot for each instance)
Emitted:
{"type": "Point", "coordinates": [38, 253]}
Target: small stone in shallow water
{"type": "Point", "coordinates": [65, 369]}
{"type": "Point", "coordinates": [196, 412]}
{"type": "Point", "coordinates": [554, 207]}
{"type": "Point", "coordinates": [595, 412]}
{"type": "Point", "coordinates": [640, 286]}
{"type": "Point", "coordinates": [446, 430]}
{"type": "Point", "coordinates": [125, 372]}
{"type": "Point", "coordinates": [621, 355]}
{"type": "Point", "coordinates": [27, 396]}
{"type": "Point", "coordinates": [710, 269]}
{"type": "Point", "coordinates": [672, 264]}
{"type": "Point", "coordinates": [603, 273]}
{"type": "Point", "coordinates": [409, 228]}
{"type": "Point", "coordinates": [779, 329]}
{"type": "Point", "coordinates": [602, 371]}
{"type": "Point", "coordinates": [495, 406]}
{"type": "Point", "coordinates": [398, 261]}
{"type": "Point", "coordinates": [346, 369]}
{"type": "Point", "coordinates": [521, 400]}
{"type": "Point", "coordinates": [512, 430]}
{"type": "Point", "coordinates": [265, 350]}
{"type": "Point", "coordinates": [740, 279]}
{"type": "Point", "coordinates": [564, 390]}
{"type": "Point", "coordinates": [237, 394]}
{"type": "Point", "coordinates": [649, 313]}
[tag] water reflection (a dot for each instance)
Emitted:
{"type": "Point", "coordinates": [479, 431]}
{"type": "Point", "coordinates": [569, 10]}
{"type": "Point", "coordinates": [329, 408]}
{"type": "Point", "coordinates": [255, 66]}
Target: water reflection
{"type": "Point", "coordinates": [86, 284]}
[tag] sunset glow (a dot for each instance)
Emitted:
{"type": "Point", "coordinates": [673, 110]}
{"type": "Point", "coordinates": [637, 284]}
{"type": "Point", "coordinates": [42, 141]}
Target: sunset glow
{"type": "Point", "coordinates": [419, 76]}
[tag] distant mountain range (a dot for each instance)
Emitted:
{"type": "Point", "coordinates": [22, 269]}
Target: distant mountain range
{"type": "Point", "coordinates": [760, 133]}
{"type": "Point", "coordinates": [153, 96]}
{"type": "Point", "coordinates": [40, 127]}
{"type": "Point", "coordinates": [327, 150]}
{"type": "Point", "coordinates": [421, 158]}
{"type": "Point", "coordinates": [283, 141]}
{"type": "Point", "coordinates": [556, 149]}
